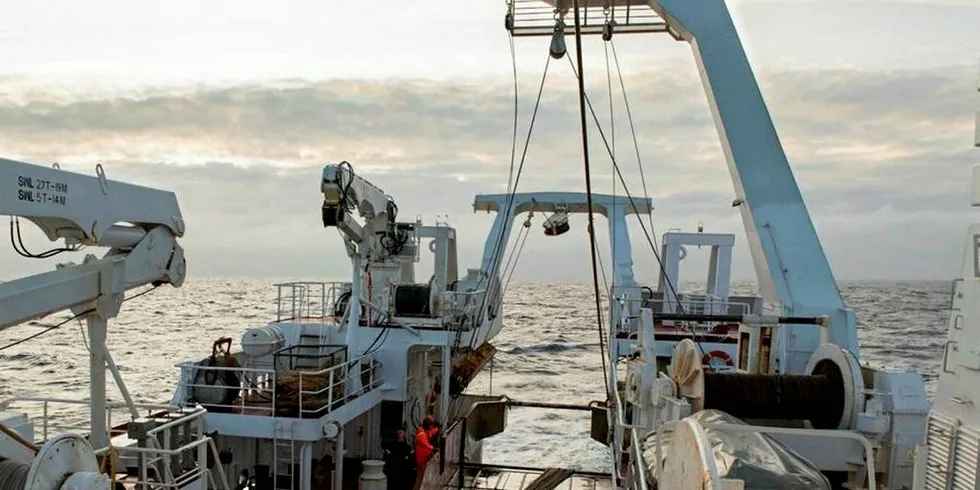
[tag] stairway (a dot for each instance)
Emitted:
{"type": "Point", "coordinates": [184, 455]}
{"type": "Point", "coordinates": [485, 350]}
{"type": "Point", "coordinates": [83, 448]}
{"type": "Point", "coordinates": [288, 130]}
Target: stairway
{"type": "Point", "coordinates": [312, 347]}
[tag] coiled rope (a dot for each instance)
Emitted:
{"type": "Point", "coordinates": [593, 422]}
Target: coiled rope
{"type": "Point", "coordinates": [13, 474]}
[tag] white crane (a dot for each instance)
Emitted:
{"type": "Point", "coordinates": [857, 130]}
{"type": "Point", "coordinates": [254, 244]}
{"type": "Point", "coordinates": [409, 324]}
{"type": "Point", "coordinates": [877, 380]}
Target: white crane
{"type": "Point", "coordinates": [140, 226]}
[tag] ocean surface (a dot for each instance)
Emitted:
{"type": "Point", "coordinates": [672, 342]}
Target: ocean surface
{"type": "Point", "coordinates": [548, 351]}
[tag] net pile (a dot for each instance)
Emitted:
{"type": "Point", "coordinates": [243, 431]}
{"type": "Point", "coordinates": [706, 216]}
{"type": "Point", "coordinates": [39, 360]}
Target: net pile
{"type": "Point", "coordinates": [318, 391]}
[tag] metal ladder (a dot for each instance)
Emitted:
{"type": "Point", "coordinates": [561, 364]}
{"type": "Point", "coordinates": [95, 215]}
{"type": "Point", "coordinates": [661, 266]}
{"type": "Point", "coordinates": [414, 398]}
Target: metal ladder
{"type": "Point", "coordinates": [283, 456]}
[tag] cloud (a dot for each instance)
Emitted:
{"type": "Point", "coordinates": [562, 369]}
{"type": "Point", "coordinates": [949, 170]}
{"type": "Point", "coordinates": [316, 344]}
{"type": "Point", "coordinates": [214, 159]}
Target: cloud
{"type": "Point", "coordinates": [882, 158]}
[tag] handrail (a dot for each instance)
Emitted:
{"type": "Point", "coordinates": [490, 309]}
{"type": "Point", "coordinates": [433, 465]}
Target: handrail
{"type": "Point", "coordinates": [245, 388]}
{"type": "Point", "coordinates": [68, 401]}
{"type": "Point", "coordinates": [296, 299]}
{"type": "Point", "coordinates": [196, 414]}
{"type": "Point", "coordinates": [162, 455]}
{"type": "Point", "coordinates": [338, 375]}
{"type": "Point", "coordinates": [46, 418]}
{"type": "Point", "coordinates": [160, 452]}
{"type": "Point", "coordinates": [691, 299]}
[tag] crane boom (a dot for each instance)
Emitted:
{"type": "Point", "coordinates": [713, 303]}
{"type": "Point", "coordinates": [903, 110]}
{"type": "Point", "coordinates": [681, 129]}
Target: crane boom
{"type": "Point", "coordinates": [789, 260]}
{"type": "Point", "coordinates": [83, 208]}
{"type": "Point", "coordinates": [140, 225]}
{"type": "Point", "coordinates": [344, 191]}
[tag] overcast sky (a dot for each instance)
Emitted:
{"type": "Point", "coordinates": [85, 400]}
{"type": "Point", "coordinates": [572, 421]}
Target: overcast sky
{"type": "Point", "coordinates": [237, 105]}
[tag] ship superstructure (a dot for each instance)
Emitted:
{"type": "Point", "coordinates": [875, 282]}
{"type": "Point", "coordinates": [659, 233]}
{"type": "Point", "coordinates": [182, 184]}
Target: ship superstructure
{"type": "Point", "coordinates": [703, 390]}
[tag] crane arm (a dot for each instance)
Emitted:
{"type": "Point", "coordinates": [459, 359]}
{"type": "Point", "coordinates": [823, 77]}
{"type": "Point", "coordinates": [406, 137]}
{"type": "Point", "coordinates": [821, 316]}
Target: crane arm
{"type": "Point", "coordinates": [85, 209]}
{"type": "Point", "coordinates": [139, 224]}
{"type": "Point", "coordinates": [343, 193]}
{"type": "Point", "coordinates": [789, 260]}
{"type": "Point", "coordinates": [88, 210]}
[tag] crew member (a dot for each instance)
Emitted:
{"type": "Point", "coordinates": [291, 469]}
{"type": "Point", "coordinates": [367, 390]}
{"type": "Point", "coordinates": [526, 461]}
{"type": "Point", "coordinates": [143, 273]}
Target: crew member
{"type": "Point", "coordinates": [424, 449]}
{"type": "Point", "coordinates": [434, 435]}
{"type": "Point", "coordinates": [399, 463]}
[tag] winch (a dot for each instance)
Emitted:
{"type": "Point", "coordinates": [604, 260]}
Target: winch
{"type": "Point", "coordinates": [64, 462]}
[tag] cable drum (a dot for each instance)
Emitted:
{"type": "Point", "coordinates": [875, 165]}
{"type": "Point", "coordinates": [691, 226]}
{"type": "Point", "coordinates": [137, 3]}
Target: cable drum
{"type": "Point", "coordinates": [829, 396]}
{"type": "Point", "coordinates": [818, 398]}
{"type": "Point", "coordinates": [13, 474]}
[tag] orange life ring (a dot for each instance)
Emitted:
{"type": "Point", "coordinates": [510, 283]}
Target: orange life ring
{"type": "Point", "coordinates": [717, 354]}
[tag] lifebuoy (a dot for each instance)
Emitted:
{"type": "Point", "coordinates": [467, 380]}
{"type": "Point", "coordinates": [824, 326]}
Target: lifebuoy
{"type": "Point", "coordinates": [718, 354]}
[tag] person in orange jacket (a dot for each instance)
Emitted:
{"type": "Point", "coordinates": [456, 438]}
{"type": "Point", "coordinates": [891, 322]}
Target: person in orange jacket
{"type": "Point", "coordinates": [424, 449]}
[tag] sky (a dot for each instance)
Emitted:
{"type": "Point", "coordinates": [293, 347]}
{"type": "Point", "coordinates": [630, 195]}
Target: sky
{"type": "Point", "coordinates": [237, 105]}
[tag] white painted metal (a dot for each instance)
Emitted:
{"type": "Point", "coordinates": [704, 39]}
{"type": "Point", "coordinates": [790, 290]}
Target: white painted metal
{"type": "Point", "coordinates": [88, 211]}
{"type": "Point", "coordinates": [373, 478]}
{"type": "Point", "coordinates": [10, 448]}
{"type": "Point", "coordinates": [284, 452]}
{"type": "Point", "coordinates": [382, 342]}
{"type": "Point", "coordinates": [692, 462]}
{"type": "Point", "coordinates": [885, 412]}
{"type": "Point", "coordinates": [719, 264]}
{"type": "Point", "coordinates": [852, 379]}
{"type": "Point", "coordinates": [614, 208]}
{"type": "Point", "coordinates": [789, 260]}
{"type": "Point", "coordinates": [64, 456]}
{"type": "Point", "coordinates": [81, 208]}
{"type": "Point", "coordinates": [949, 457]}
{"type": "Point", "coordinates": [884, 418]}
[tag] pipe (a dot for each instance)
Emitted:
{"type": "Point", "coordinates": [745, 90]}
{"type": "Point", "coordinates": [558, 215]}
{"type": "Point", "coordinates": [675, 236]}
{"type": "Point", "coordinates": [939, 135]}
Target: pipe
{"type": "Point", "coordinates": [745, 319]}
{"type": "Point", "coordinates": [338, 458]}
{"type": "Point", "coordinates": [121, 385]}
{"type": "Point", "coordinates": [555, 406]}
{"type": "Point", "coordinates": [447, 361]}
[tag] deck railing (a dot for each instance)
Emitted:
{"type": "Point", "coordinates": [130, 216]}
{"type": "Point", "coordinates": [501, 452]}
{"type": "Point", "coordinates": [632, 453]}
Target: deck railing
{"type": "Point", "coordinates": [51, 416]}
{"type": "Point", "coordinates": [335, 385]}
{"type": "Point", "coordinates": [308, 299]}
{"type": "Point", "coordinates": [162, 466]}
{"type": "Point", "coordinates": [255, 393]}
{"type": "Point", "coordinates": [628, 309]}
{"type": "Point", "coordinates": [171, 467]}
{"type": "Point", "coordinates": [300, 393]}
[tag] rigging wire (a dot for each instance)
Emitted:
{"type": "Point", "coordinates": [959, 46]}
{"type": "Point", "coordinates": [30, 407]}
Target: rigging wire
{"type": "Point", "coordinates": [513, 140]}
{"type": "Point", "coordinates": [643, 181]}
{"type": "Point", "coordinates": [520, 167]}
{"type": "Point", "coordinates": [611, 46]}
{"type": "Point", "coordinates": [588, 194]}
{"type": "Point", "coordinates": [629, 196]}
{"type": "Point", "coordinates": [602, 268]}
{"type": "Point", "coordinates": [495, 257]}
{"type": "Point", "coordinates": [515, 253]}
{"type": "Point", "coordinates": [63, 323]}
{"type": "Point", "coordinates": [636, 145]}
{"type": "Point", "coordinates": [612, 130]}
{"type": "Point", "coordinates": [521, 240]}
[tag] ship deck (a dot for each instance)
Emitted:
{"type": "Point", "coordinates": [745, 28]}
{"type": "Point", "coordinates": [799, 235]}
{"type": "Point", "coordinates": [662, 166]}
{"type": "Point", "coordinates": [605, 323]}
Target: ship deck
{"type": "Point", "coordinates": [493, 477]}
